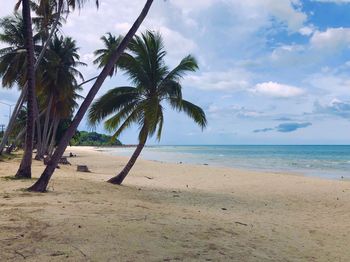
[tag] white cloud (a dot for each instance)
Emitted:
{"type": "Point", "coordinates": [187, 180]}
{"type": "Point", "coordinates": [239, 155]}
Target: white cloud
{"type": "Point", "coordinates": [330, 83]}
{"type": "Point", "coordinates": [188, 6]}
{"type": "Point", "coordinates": [286, 11]}
{"type": "Point", "coordinates": [333, 1]}
{"type": "Point", "coordinates": [332, 39]}
{"type": "Point", "coordinates": [233, 80]}
{"type": "Point", "coordinates": [277, 90]}
{"type": "Point", "coordinates": [307, 30]}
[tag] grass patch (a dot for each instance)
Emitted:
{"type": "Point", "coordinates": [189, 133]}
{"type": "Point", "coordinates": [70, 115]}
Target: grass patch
{"type": "Point", "coordinates": [10, 178]}
{"type": "Point", "coordinates": [8, 157]}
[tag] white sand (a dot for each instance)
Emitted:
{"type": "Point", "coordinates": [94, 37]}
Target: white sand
{"type": "Point", "coordinates": [184, 213]}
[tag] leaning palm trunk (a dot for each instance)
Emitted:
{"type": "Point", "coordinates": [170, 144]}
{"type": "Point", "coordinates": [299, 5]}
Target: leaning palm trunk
{"type": "Point", "coordinates": [46, 142]}
{"type": "Point", "coordinates": [117, 180]}
{"type": "Point", "coordinates": [53, 138]}
{"type": "Point", "coordinates": [21, 99]}
{"type": "Point", "coordinates": [38, 126]}
{"type": "Point", "coordinates": [45, 133]}
{"type": "Point", "coordinates": [42, 182]}
{"type": "Point", "coordinates": [25, 170]}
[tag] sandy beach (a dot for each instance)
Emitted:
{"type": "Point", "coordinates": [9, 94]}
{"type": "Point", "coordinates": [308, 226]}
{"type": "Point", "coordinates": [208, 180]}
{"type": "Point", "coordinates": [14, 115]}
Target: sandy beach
{"type": "Point", "coordinates": [172, 212]}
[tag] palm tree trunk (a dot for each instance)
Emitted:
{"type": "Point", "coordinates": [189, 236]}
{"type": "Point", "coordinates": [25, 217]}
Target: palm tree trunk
{"type": "Point", "coordinates": [46, 146]}
{"type": "Point", "coordinates": [117, 180]}
{"type": "Point", "coordinates": [45, 131]}
{"type": "Point", "coordinates": [42, 182]}
{"type": "Point", "coordinates": [53, 138]}
{"type": "Point", "coordinates": [25, 170]}
{"type": "Point", "coordinates": [23, 131]}
{"type": "Point", "coordinates": [24, 90]}
{"type": "Point", "coordinates": [38, 128]}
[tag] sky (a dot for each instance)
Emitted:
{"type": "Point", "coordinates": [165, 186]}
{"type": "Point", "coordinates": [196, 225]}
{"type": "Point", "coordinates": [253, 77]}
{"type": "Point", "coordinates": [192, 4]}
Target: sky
{"type": "Point", "coordinates": [271, 71]}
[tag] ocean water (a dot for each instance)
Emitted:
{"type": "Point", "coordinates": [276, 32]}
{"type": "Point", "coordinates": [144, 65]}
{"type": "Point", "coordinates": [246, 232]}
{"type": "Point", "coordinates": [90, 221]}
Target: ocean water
{"type": "Point", "coordinates": [331, 162]}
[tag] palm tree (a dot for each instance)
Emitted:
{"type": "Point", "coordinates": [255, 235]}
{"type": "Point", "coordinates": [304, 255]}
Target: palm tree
{"type": "Point", "coordinates": [24, 170]}
{"type": "Point", "coordinates": [58, 85]}
{"type": "Point", "coordinates": [13, 61]}
{"type": "Point", "coordinates": [48, 17]}
{"type": "Point", "coordinates": [110, 43]}
{"type": "Point", "coordinates": [143, 103]}
{"type": "Point", "coordinates": [13, 57]}
{"type": "Point", "coordinates": [62, 6]}
{"type": "Point", "coordinates": [41, 184]}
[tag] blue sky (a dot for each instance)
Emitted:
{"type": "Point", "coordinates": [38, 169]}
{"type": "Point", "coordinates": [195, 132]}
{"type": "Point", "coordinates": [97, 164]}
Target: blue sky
{"type": "Point", "coordinates": [271, 71]}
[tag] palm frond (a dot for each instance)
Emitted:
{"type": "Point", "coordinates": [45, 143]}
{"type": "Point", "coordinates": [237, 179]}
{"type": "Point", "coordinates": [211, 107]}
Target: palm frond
{"type": "Point", "coordinates": [111, 102]}
{"type": "Point", "coordinates": [187, 64]}
{"type": "Point", "coordinates": [193, 111]}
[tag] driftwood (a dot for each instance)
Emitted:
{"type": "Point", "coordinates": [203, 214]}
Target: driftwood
{"type": "Point", "coordinates": [83, 168]}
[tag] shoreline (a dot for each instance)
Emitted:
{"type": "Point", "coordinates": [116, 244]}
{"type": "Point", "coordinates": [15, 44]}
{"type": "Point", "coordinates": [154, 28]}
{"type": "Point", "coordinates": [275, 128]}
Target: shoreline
{"type": "Point", "coordinates": [167, 212]}
{"type": "Point", "coordinates": [327, 175]}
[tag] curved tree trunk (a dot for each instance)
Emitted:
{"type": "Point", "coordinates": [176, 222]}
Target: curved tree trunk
{"type": "Point", "coordinates": [25, 169]}
{"type": "Point", "coordinates": [117, 180]}
{"type": "Point", "coordinates": [20, 100]}
{"type": "Point", "coordinates": [45, 133]}
{"type": "Point", "coordinates": [53, 138]}
{"type": "Point", "coordinates": [38, 126]}
{"type": "Point", "coordinates": [41, 184]}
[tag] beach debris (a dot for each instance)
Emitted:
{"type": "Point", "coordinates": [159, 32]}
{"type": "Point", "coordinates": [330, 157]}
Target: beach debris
{"type": "Point", "coordinates": [223, 208]}
{"type": "Point", "coordinates": [83, 168]}
{"type": "Point", "coordinates": [150, 178]}
{"type": "Point", "coordinates": [205, 164]}
{"type": "Point", "coordinates": [240, 223]}
{"type": "Point", "coordinates": [72, 155]}
{"type": "Point", "coordinates": [57, 253]}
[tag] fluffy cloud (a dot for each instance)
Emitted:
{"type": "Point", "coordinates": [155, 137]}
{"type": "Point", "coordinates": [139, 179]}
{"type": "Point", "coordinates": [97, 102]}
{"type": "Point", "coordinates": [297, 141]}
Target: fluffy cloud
{"type": "Point", "coordinates": [234, 111]}
{"type": "Point", "coordinates": [332, 39]}
{"type": "Point", "coordinates": [277, 90]}
{"type": "Point", "coordinates": [287, 12]}
{"type": "Point", "coordinates": [284, 128]}
{"type": "Point", "coordinates": [233, 80]}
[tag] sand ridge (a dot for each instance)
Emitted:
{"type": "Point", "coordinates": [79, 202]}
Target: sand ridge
{"type": "Point", "coordinates": [172, 212]}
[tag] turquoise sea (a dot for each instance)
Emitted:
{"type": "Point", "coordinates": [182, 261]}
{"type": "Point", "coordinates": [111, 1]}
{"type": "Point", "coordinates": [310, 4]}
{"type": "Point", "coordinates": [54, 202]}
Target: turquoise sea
{"type": "Point", "coordinates": [332, 162]}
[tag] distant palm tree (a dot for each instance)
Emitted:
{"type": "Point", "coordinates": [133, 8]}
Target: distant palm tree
{"type": "Point", "coordinates": [57, 86]}
{"type": "Point", "coordinates": [48, 17]}
{"type": "Point", "coordinates": [103, 55]}
{"type": "Point", "coordinates": [142, 104]}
